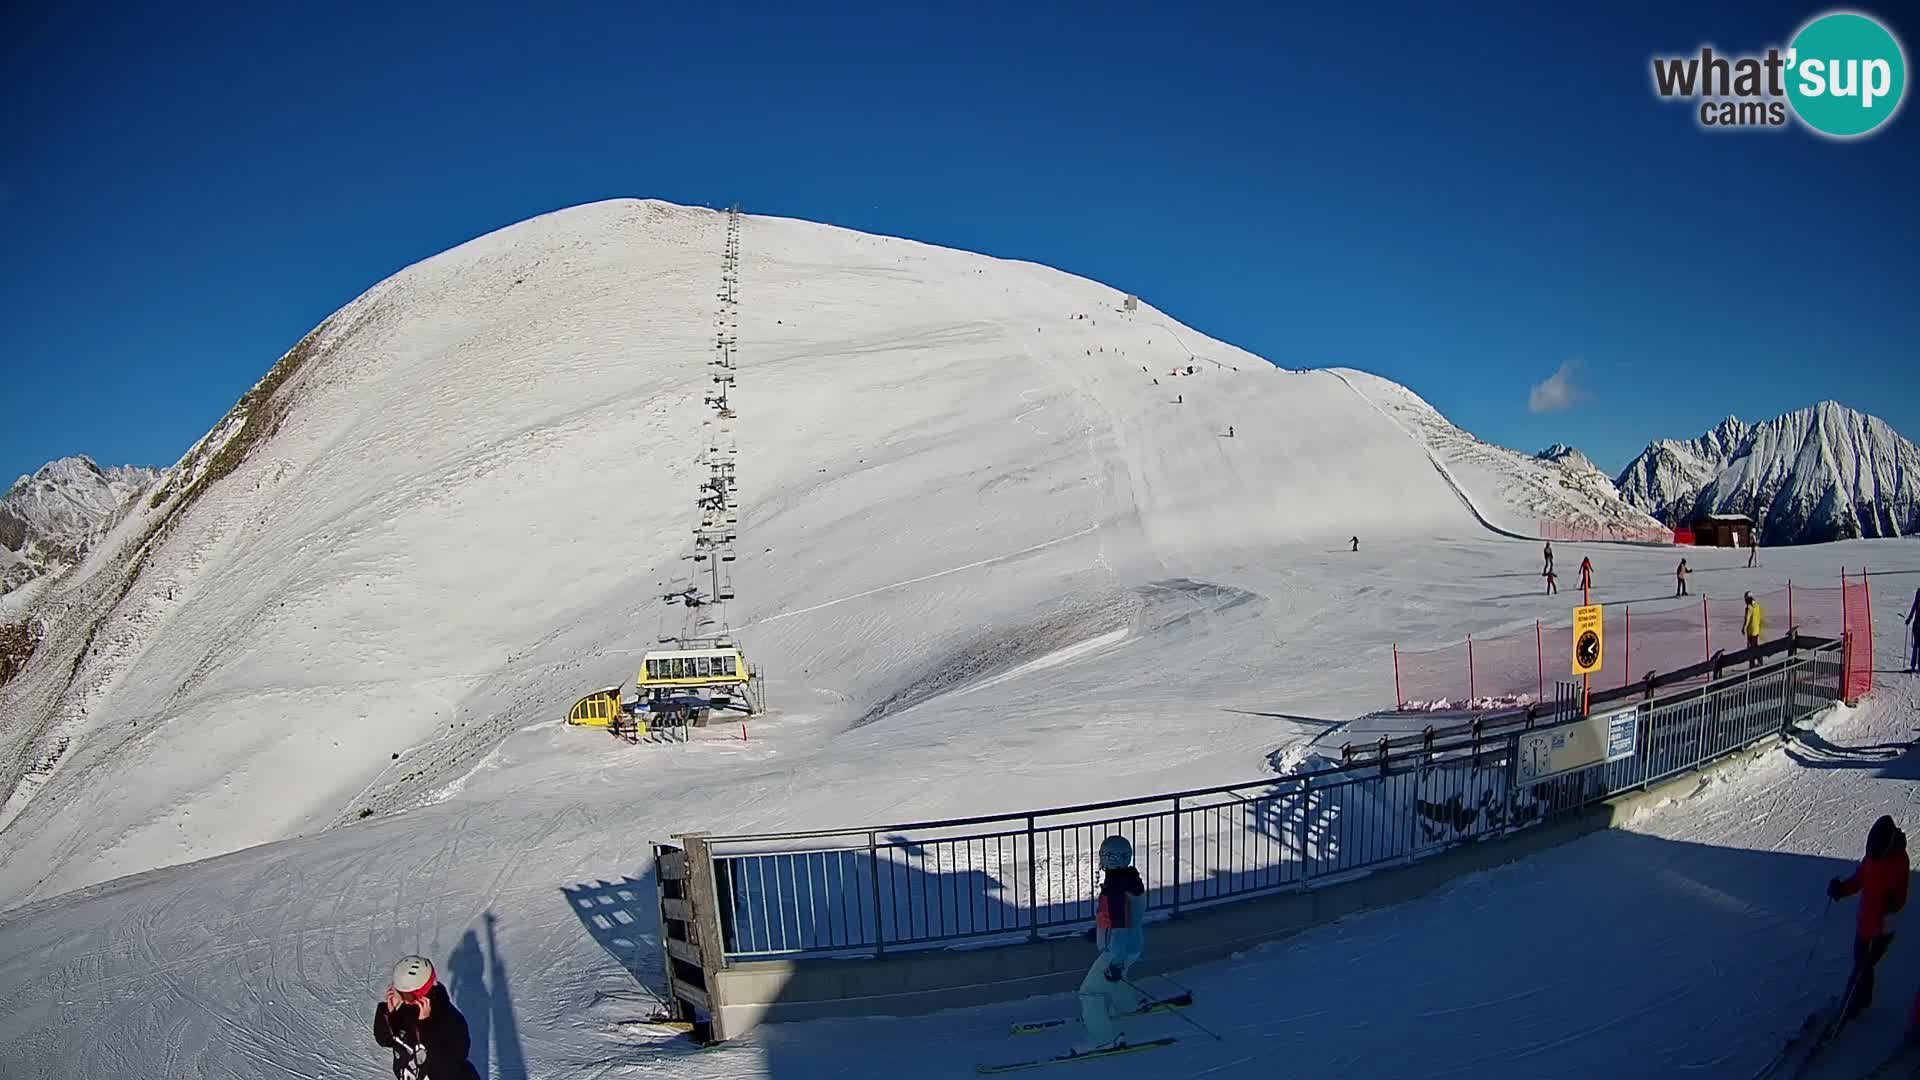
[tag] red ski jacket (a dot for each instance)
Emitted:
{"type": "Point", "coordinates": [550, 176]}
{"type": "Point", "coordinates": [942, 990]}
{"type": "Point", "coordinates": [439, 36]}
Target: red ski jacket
{"type": "Point", "coordinates": [1882, 885]}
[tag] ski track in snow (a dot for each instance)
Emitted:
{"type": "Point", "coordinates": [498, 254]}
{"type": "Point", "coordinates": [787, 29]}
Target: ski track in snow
{"type": "Point", "coordinates": [925, 577]}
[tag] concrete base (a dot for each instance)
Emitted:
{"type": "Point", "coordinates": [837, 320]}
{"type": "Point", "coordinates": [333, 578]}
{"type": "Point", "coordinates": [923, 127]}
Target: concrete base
{"type": "Point", "coordinates": [927, 980]}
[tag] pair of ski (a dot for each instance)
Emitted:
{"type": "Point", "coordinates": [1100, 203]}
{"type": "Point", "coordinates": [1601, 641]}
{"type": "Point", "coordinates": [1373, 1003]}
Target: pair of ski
{"type": "Point", "coordinates": [1803, 1048]}
{"type": "Point", "coordinates": [1818, 1032]}
{"type": "Point", "coordinates": [1037, 1027]}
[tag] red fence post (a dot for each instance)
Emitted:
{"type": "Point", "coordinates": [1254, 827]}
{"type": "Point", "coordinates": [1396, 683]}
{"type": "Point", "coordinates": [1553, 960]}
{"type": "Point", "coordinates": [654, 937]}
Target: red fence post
{"type": "Point", "coordinates": [1866, 597]}
{"type": "Point", "coordinates": [1399, 699]}
{"type": "Point", "coordinates": [1540, 662]}
{"type": "Point", "coordinates": [1626, 667]}
{"type": "Point", "coordinates": [1471, 694]}
{"type": "Point", "coordinates": [1790, 623]}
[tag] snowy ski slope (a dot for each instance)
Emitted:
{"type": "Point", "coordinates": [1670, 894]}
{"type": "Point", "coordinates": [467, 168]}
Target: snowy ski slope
{"type": "Point", "coordinates": [988, 564]}
{"type": "Point", "coordinates": [1705, 928]}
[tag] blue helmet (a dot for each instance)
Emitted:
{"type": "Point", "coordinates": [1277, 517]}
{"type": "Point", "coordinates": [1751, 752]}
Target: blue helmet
{"type": "Point", "coordinates": [1115, 852]}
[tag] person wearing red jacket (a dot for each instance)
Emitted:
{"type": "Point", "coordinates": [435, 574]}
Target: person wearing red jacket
{"type": "Point", "coordinates": [1881, 882]}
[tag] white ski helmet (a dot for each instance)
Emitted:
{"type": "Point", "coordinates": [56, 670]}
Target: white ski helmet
{"type": "Point", "coordinates": [1115, 852]}
{"type": "Point", "coordinates": [413, 976]}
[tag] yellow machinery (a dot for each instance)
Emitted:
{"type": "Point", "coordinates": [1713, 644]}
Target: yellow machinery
{"type": "Point", "coordinates": [598, 709]}
{"type": "Point", "coordinates": [670, 669]}
{"type": "Point", "coordinates": [669, 686]}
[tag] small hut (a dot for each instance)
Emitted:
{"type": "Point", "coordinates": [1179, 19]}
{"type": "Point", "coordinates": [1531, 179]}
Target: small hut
{"type": "Point", "coordinates": [1722, 530]}
{"type": "Point", "coordinates": [1131, 303]}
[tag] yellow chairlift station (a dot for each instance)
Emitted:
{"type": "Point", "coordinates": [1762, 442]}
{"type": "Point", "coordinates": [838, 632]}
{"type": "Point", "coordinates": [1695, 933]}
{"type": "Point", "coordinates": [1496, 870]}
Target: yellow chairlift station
{"type": "Point", "coordinates": [688, 668]}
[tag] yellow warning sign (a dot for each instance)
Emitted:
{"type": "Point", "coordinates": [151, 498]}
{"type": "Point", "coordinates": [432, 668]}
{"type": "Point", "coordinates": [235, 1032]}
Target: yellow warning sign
{"type": "Point", "coordinates": [1589, 640]}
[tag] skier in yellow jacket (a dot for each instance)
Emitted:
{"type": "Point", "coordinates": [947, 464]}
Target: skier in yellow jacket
{"type": "Point", "coordinates": [1752, 625]}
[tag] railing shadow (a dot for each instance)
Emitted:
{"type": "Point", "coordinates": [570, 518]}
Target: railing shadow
{"type": "Point", "coordinates": [1746, 913]}
{"type": "Point", "coordinates": [1895, 760]}
{"type": "Point", "coordinates": [623, 916]}
{"type": "Point", "coordinates": [480, 990]}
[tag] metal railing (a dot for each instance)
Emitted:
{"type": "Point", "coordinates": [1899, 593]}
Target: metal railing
{"type": "Point", "coordinates": [1015, 877]}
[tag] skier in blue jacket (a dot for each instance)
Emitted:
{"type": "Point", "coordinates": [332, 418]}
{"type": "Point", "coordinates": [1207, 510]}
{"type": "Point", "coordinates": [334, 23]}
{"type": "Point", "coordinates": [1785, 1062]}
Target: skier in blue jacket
{"type": "Point", "coordinates": [1119, 913]}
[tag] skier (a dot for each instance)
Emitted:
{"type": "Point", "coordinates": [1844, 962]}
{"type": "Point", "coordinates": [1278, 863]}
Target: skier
{"type": "Point", "coordinates": [1912, 619]}
{"type": "Point", "coordinates": [1751, 624]}
{"type": "Point", "coordinates": [1552, 581]}
{"type": "Point", "coordinates": [1881, 881]}
{"type": "Point", "coordinates": [1118, 914]}
{"type": "Point", "coordinates": [1356, 547]}
{"type": "Point", "coordinates": [1549, 568]}
{"type": "Point", "coordinates": [1680, 579]}
{"type": "Point", "coordinates": [1753, 548]}
{"type": "Point", "coordinates": [1229, 431]}
{"type": "Point", "coordinates": [1586, 574]}
{"type": "Point", "coordinates": [418, 1022]}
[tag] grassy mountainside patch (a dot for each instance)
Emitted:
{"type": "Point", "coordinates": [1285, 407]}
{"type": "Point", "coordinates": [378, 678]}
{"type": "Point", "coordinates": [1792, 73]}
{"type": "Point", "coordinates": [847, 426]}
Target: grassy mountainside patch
{"type": "Point", "coordinates": [17, 642]}
{"type": "Point", "coordinates": [259, 414]}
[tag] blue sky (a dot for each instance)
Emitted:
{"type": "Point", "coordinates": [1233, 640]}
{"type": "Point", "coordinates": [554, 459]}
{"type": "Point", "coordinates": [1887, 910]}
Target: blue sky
{"type": "Point", "coordinates": [1462, 203]}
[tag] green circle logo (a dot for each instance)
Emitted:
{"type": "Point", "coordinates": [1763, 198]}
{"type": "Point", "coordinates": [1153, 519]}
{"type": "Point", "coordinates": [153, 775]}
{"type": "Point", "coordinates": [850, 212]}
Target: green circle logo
{"type": "Point", "coordinates": [1846, 74]}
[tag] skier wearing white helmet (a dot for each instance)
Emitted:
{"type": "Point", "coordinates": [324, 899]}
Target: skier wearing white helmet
{"type": "Point", "coordinates": [1119, 911]}
{"type": "Point", "coordinates": [418, 1022]}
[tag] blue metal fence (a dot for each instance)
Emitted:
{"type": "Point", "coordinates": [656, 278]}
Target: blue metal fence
{"type": "Point", "coordinates": [1020, 876]}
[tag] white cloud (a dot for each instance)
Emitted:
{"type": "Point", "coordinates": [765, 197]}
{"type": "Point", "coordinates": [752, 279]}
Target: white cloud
{"type": "Point", "coordinates": [1559, 391]}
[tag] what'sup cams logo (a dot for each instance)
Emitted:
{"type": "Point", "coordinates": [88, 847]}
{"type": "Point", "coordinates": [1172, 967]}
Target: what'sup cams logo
{"type": "Point", "coordinates": [1843, 76]}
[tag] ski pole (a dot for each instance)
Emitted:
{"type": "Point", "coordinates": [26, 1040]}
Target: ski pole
{"type": "Point", "coordinates": [1824, 912]}
{"type": "Point", "coordinates": [1187, 990]}
{"type": "Point", "coordinates": [1149, 997]}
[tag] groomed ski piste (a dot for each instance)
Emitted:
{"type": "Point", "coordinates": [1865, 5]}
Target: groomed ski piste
{"type": "Point", "coordinates": [988, 564]}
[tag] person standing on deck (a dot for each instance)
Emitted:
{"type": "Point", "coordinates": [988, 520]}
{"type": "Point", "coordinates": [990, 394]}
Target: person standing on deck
{"type": "Point", "coordinates": [1119, 912]}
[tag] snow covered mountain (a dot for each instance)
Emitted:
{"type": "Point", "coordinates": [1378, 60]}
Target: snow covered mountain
{"type": "Point", "coordinates": [48, 520]}
{"type": "Point", "coordinates": [1567, 457]}
{"type": "Point", "coordinates": [1815, 475]}
{"type": "Point", "coordinates": [454, 506]}
{"type": "Point", "coordinates": [1510, 492]}
{"type": "Point", "coordinates": [1666, 476]}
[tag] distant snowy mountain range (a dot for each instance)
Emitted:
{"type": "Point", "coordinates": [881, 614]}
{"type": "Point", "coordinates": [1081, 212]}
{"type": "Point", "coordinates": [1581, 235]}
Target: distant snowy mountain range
{"type": "Point", "coordinates": [1814, 475]}
{"type": "Point", "coordinates": [50, 519]}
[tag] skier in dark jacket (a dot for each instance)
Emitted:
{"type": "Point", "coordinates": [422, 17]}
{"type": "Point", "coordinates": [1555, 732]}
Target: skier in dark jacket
{"type": "Point", "coordinates": [1913, 629]}
{"type": "Point", "coordinates": [418, 1022]}
{"type": "Point", "coordinates": [1881, 882]}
